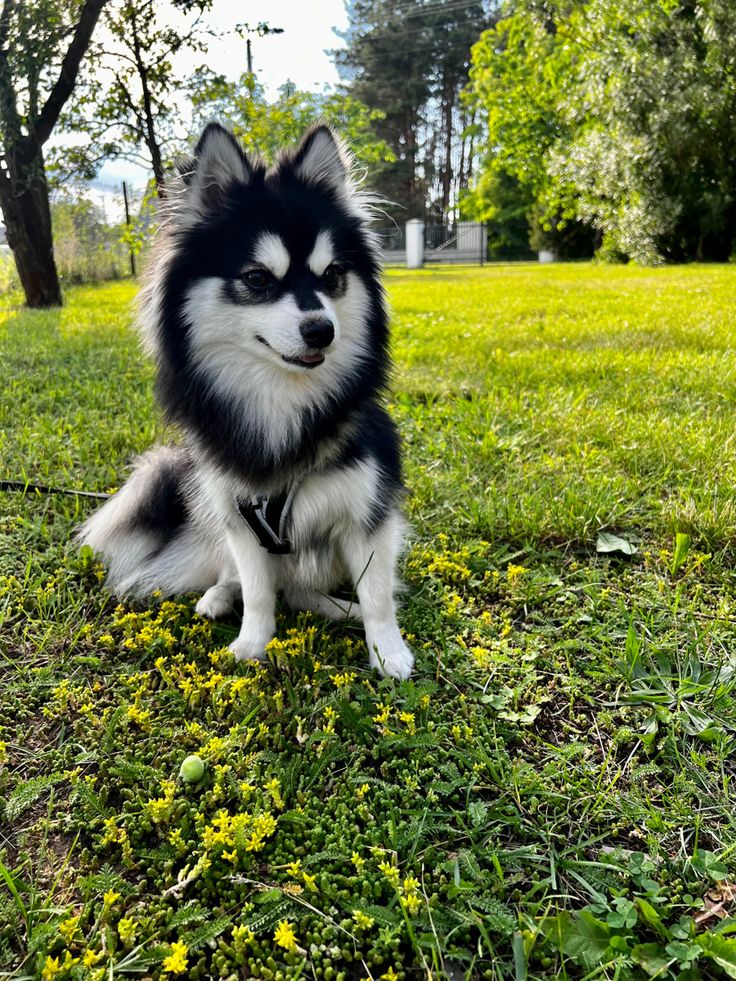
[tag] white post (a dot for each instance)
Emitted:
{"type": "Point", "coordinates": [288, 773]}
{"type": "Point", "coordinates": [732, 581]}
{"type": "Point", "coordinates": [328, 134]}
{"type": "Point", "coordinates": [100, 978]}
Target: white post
{"type": "Point", "coordinates": [414, 243]}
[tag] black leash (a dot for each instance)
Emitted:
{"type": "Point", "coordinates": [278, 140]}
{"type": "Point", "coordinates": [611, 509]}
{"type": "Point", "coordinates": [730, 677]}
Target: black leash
{"type": "Point", "coordinates": [23, 486]}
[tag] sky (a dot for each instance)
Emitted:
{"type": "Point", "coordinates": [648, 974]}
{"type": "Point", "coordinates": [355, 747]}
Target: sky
{"type": "Point", "coordinates": [298, 54]}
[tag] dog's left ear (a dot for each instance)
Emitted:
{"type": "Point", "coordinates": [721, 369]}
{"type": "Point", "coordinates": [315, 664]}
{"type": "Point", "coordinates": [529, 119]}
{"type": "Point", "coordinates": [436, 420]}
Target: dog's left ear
{"type": "Point", "coordinates": [322, 159]}
{"type": "Point", "coordinates": [219, 163]}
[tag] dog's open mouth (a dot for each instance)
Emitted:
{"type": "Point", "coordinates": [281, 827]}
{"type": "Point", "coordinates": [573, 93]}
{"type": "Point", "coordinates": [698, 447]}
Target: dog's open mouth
{"type": "Point", "coordinates": [303, 360]}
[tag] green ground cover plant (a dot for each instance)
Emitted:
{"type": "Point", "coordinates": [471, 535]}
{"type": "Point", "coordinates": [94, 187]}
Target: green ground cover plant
{"type": "Point", "coordinates": [550, 795]}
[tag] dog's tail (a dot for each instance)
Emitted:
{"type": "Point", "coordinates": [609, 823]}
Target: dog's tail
{"type": "Point", "coordinates": [145, 536]}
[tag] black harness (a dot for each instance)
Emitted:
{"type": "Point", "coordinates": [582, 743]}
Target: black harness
{"type": "Point", "coordinates": [268, 519]}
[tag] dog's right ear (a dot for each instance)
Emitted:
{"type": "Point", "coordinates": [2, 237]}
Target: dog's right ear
{"type": "Point", "coordinates": [219, 163]}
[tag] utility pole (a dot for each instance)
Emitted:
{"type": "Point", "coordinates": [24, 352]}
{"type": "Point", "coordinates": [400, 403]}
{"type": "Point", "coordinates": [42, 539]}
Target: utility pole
{"type": "Point", "coordinates": [127, 223]}
{"type": "Point", "coordinates": [260, 30]}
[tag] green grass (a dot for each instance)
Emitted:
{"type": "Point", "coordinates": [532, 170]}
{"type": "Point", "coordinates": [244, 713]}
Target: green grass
{"type": "Point", "coordinates": [549, 796]}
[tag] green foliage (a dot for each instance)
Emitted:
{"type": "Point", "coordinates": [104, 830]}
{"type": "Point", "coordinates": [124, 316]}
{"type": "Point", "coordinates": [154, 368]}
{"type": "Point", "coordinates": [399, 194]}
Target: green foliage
{"type": "Point", "coordinates": [502, 813]}
{"type": "Point", "coordinates": [265, 128]}
{"type": "Point", "coordinates": [8, 274]}
{"type": "Point", "coordinates": [86, 247]}
{"type": "Point", "coordinates": [410, 61]}
{"type": "Point", "coordinates": [127, 102]}
{"type": "Point", "coordinates": [617, 115]}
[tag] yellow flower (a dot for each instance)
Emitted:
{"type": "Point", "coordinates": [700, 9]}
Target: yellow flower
{"type": "Point", "coordinates": [90, 957]}
{"type": "Point", "coordinates": [357, 861]}
{"type": "Point", "coordinates": [411, 904]}
{"type": "Point", "coordinates": [51, 968]}
{"type": "Point", "coordinates": [68, 929]}
{"type": "Point", "coordinates": [390, 975]}
{"type": "Point", "coordinates": [383, 714]}
{"type": "Point", "coordinates": [362, 919]}
{"type": "Point", "coordinates": [242, 935]}
{"type": "Point", "coordinates": [126, 929]}
{"type": "Point", "coordinates": [273, 787]}
{"type": "Point", "coordinates": [391, 873]}
{"type": "Point", "coordinates": [110, 897]}
{"type": "Point", "coordinates": [284, 935]}
{"type": "Point", "coordinates": [310, 882]}
{"type": "Point", "coordinates": [176, 962]}
{"type": "Point", "coordinates": [362, 791]}
{"type": "Point", "coordinates": [408, 719]}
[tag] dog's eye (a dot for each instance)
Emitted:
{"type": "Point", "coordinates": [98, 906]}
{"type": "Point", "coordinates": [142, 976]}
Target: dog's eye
{"type": "Point", "coordinates": [257, 278]}
{"type": "Point", "coordinates": [331, 276]}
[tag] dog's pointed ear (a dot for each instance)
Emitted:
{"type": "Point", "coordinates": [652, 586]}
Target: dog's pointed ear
{"type": "Point", "coordinates": [321, 158]}
{"type": "Point", "coordinates": [219, 163]}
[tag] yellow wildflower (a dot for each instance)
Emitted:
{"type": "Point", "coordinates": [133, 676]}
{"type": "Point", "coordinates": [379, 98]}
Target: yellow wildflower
{"type": "Point", "coordinates": [176, 962]}
{"type": "Point", "coordinates": [383, 714]}
{"type": "Point", "coordinates": [408, 719]}
{"type": "Point", "coordinates": [390, 975]}
{"type": "Point", "coordinates": [411, 904]}
{"type": "Point", "coordinates": [310, 882]}
{"type": "Point", "coordinates": [51, 968]}
{"type": "Point", "coordinates": [273, 787]}
{"type": "Point", "coordinates": [127, 929]}
{"type": "Point", "coordinates": [110, 897]}
{"type": "Point", "coordinates": [362, 919]}
{"type": "Point", "coordinates": [68, 929]}
{"type": "Point", "coordinates": [242, 935]}
{"type": "Point", "coordinates": [391, 873]}
{"type": "Point", "coordinates": [90, 957]}
{"type": "Point", "coordinates": [284, 935]}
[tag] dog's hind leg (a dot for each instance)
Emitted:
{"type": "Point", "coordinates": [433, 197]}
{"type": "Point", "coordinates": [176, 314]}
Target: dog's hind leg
{"type": "Point", "coordinates": [327, 606]}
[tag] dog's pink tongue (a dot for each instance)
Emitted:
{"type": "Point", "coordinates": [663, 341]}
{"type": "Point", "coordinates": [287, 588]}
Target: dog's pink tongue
{"type": "Point", "coordinates": [311, 358]}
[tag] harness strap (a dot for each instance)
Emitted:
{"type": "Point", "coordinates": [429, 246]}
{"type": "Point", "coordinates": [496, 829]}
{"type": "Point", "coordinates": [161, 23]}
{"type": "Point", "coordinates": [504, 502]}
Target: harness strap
{"type": "Point", "coordinates": [268, 519]}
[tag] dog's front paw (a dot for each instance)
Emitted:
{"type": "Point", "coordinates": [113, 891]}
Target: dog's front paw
{"type": "Point", "coordinates": [389, 654]}
{"type": "Point", "coordinates": [250, 645]}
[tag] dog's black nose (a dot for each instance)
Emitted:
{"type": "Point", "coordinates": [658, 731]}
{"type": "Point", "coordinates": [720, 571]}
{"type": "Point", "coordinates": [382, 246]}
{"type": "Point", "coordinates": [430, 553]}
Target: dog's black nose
{"type": "Point", "coordinates": [317, 333]}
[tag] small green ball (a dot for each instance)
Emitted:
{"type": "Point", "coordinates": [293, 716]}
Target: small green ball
{"type": "Point", "coordinates": [192, 769]}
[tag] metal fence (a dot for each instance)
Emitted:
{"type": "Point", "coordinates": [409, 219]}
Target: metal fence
{"type": "Point", "coordinates": [393, 237]}
{"type": "Point", "coordinates": [461, 241]}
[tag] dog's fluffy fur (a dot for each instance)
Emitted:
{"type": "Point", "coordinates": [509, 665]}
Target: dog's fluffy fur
{"type": "Point", "coordinates": [266, 318]}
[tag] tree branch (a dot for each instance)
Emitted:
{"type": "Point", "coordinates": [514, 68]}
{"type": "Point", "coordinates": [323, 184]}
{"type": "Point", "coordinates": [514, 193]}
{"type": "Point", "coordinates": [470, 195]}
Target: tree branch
{"type": "Point", "coordinates": [69, 70]}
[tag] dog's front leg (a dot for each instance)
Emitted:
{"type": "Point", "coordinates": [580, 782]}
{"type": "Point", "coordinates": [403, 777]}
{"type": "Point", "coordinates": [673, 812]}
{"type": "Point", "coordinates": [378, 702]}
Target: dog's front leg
{"type": "Point", "coordinates": [371, 560]}
{"type": "Point", "coordinates": [257, 574]}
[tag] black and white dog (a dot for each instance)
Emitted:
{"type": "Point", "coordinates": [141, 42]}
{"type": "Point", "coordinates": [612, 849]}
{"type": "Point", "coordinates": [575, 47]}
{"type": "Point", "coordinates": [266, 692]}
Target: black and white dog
{"type": "Point", "coordinates": [265, 314]}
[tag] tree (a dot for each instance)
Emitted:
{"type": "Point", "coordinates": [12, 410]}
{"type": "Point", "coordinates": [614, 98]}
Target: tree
{"type": "Point", "coordinates": [520, 70]}
{"type": "Point", "coordinates": [130, 103]}
{"type": "Point", "coordinates": [41, 49]}
{"type": "Point", "coordinates": [615, 115]}
{"type": "Point", "coordinates": [266, 127]}
{"type": "Point", "coordinates": [410, 61]}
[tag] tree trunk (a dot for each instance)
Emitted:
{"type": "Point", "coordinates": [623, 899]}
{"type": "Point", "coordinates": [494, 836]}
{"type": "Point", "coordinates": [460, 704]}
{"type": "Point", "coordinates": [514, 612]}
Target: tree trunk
{"type": "Point", "coordinates": [24, 199]}
{"type": "Point", "coordinates": [447, 107]}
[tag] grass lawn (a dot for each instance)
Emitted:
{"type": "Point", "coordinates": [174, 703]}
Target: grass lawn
{"type": "Point", "coordinates": [549, 796]}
